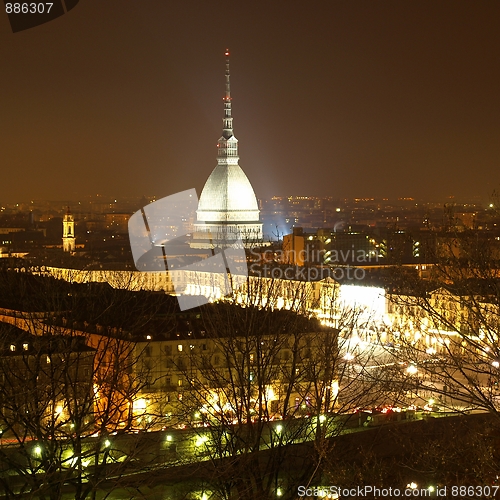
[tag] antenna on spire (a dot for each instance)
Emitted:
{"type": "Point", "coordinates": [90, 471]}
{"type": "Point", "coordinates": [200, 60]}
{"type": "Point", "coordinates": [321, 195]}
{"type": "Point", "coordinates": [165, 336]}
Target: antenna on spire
{"type": "Point", "coordinates": [227, 120]}
{"type": "Point", "coordinates": [228, 84]}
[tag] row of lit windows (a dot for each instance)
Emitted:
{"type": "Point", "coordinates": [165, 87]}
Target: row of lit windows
{"type": "Point", "coordinates": [283, 355]}
{"type": "Point", "coordinates": [13, 347]}
{"type": "Point", "coordinates": [168, 348]}
{"type": "Point", "coordinates": [26, 346]}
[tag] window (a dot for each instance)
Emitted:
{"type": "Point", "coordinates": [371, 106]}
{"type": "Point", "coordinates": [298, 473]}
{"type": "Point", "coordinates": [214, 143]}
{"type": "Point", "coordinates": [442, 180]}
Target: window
{"type": "Point", "coordinates": [179, 382]}
{"type": "Point", "coordinates": [25, 346]}
{"type": "Point", "coordinates": [168, 350]}
{"type": "Point", "coordinates": [179, 347]}
{"type": "Point", "coordinates": [147, 351]}
{"type": "Point", "coordinates": [12, 347]}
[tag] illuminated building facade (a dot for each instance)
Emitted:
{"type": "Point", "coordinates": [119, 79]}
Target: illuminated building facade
{"type": "Point", "coordinates": [172, 365]}
{"type": "Point", "coordinates": [49, 376]}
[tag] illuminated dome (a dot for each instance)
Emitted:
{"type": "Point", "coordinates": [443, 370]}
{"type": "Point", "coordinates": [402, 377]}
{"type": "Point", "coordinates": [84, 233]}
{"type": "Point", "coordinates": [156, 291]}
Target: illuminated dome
{"type": "Point", "coordinates": [228, 208]}
{"type": "Point", "coordinates": [228, 196]}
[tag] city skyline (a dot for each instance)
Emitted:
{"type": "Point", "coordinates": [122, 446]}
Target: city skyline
{"type": "Point", "coordinates": [382, 100]}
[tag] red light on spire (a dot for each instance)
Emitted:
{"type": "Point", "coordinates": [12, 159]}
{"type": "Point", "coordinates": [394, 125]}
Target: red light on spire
{"type": "Point", "coordinates": [226, 53]}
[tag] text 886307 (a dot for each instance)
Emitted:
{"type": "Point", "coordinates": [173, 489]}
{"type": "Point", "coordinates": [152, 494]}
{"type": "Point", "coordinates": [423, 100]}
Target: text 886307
{"type": "Point", "coordinates": [28, 8]}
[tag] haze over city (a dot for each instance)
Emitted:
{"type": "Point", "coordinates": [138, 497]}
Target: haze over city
{"type": "Point", "coordinates": [341, 99]}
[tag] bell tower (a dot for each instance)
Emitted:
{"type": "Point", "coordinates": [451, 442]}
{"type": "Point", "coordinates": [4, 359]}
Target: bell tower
{"type": "Point", "coordinates": [68, 232]}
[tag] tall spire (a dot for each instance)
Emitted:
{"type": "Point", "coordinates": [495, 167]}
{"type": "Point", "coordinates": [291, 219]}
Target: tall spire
{"type": "Point", "coordinates": [228, 119]}
{"type": "Point", "coordinates": [227, 147]}
{"type": "Point", "coordinates": [227, 205]}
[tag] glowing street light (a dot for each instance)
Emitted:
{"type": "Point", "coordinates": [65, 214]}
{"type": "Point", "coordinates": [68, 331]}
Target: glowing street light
{"type": "Point", "coordinates": [412, 370]}
{"type": "Point", "coordinates": [201, 440]}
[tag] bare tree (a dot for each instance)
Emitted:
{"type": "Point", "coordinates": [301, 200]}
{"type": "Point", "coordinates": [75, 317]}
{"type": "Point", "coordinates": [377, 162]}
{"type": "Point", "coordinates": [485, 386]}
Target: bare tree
{"type": "Point", "coordinates": [262, 376]}
{"type": "Point", "coordinates": [68, 386]}
{"type": "Point", "coordinates": [447, 329]}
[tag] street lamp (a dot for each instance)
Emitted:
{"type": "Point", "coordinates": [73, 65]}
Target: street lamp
{"type": "Point", "coordinates": [412, 369]}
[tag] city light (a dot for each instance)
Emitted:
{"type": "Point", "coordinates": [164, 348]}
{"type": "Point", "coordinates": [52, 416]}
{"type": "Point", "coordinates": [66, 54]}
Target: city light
{"type": "Point", "coordinates": [412, 370]}
{"type": "Point", "coordinates": [140, 404]}
{"type": "Point", "coordinates": [201, 440]}
{"type": "Point", "coordinates": [270, 395]}
{"type": "Point", "coordinates": [334, 387]}
{"type": "Point", "coordinates": [369, 302]}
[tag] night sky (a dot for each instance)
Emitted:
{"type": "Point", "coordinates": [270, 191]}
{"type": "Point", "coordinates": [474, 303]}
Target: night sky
{"type": "Point", "coordinates": [331, 98]}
